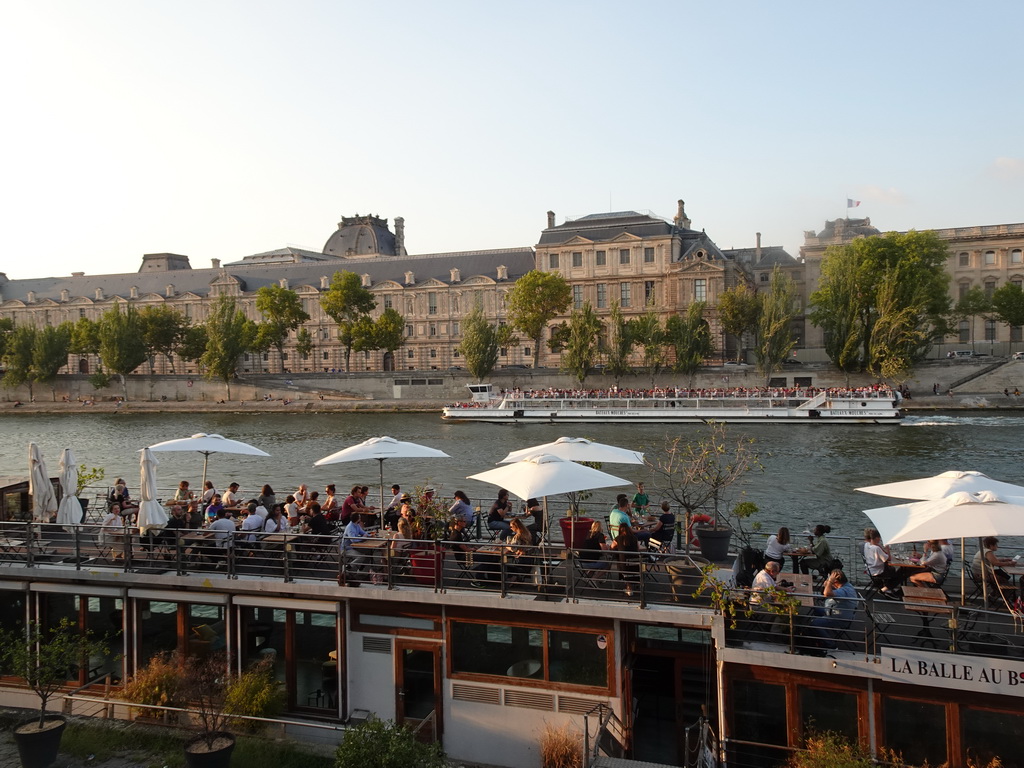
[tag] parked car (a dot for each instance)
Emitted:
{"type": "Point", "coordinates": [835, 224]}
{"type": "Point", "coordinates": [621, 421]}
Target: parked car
{"type": "Point", "coordinates": [1017, 356]}
{"type": "Point", "coordinates": [961, 354]}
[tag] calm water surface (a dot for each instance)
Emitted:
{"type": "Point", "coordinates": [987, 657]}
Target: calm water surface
{"type": "Point", "coordinates": [810, 471]}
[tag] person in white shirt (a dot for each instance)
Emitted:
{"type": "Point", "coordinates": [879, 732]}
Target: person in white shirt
{"type": "Point", "coordinates": [276, 521]}
{"type": "Point", "coordinates": [778, 545]}
{"type": "Point", "coordinates": [224, 529]}
{"type": "Point", "coordinates": [936, 562]}
{"type": "Point", "coordinates": [251, 523]}
{"type": "Point", "coordinates": [230, 499]}
{"type": "Point", "coordinates": [876, 558]}
{"type": "Point", "coordinates": [764, 581]}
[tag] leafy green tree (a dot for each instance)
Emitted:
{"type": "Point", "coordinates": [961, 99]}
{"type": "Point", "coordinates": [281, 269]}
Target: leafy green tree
{"type": "Point", "coordinates": [896, 334]}
{"type": "Point", "coordinates": [738, 311]}
{"type": "Point", "coordinates": [6, 327]}
{"type": "Point", "coordinates": [259, 339]}
{"type": "Point", "coordinates": [972, 304]}
{"type": "Point", "coordinates": [385, 744]}
{"type": "Point", "coordinates": [830, 750]}
{"type": "Point", "coordinates": [620, 344]}
{"type": "Point", "coordinates": [774, 327]}
{"type": "Point", "coordinates": [479, 345]}
{"type": "Point", "coordinates": [193, 343]}
{"type": "Point", "coordinates": [85, 337]}
{"type": "Point", "coordinates": [162, 329]}
{"type": "Point", "coordinates": [122, 348]}
{"type": "Point", "coordinates": [536, 299]}
{"type": "Point", "coordinates": [345, 302]}
{"type": "Point", "coordinates": [582, 343]}
{"type": "Point", "coordinates": [18, 358]}
{"type": "Point", "coordinates": [649, 334]}
{"type": "Point", "coordinates": [839, 312]}
{"type": "Point", "coordinates": [1008, 304]}
{"type": "Point", "coordinates": [50, 354]}
{"type": "Point", "coordinates": [390, 330]}
{"type": "Point", "coordinates": [364, 335]}
{"type": "Point", "coordinates": [282, 313]}
{"type": "Point", "coordinates": [304, 343]}
{"type": "Point", "coordinates": [689, 337]}
{"type": "Point", "coordinates": [228, 335]}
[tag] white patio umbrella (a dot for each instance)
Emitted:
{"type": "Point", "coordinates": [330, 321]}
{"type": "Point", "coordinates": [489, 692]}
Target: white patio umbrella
{"type": "Point", "coordinates": [545, 475]}
{"type": "Point", "coordinates": [936, 487]}
{"type": "Point", "coordinates": [44, 501]}
{"type": "Point", "coordinates": [152, 515]}
{"type": "Point", "coordinates": [207, 445]}
{"type": "Point", "coordinates": [381, 448]}
{"type": "Point", "coordinates": [579, 449]}
{"type": "Point", "coordinates": [69, 513]}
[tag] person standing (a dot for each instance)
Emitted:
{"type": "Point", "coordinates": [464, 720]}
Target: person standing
{"type": "Point", "coordinates": [641, 501]}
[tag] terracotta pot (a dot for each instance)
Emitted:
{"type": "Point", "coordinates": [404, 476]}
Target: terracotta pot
{"type": "Point", "coordinates": [575, 530]}
{"type": "Point", "coordinates": [424, 565]}
{"type": "Point", "coordinates": [38, 749]}
{"type": "Point", "coordinates": [219, 757]}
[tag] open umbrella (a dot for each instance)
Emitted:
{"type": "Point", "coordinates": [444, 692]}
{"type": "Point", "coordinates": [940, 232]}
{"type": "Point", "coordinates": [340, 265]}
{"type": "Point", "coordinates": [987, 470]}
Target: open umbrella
{"type": "Point", "coordinates": [381, 448]}
{"type": "Point", "coordinates": [44, 501]}
{"type": "Point", "coordinates": [545, 475]}
{"type": "Point", "coordinates": [69, 513]}
{"type": "Point", "coordinates": [579, 449]}
{"type": "Point", "coordinates": [206, 445]}
{"type": "Point", "coordinates": [152, 515]}
{"type": "Point", "coordinates": [943, 485]}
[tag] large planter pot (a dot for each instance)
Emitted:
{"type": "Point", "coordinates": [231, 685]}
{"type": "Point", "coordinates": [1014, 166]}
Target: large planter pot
{"type": "Point", "coordinates": [424, 565]}
{"type": "Point", "coordinates": [575, 530]}
{"type": "Point", "coordinates": [38, 748]}
{"type": "Point", "coordinates": [714, 543]}
{"type": "Point", "coordinates": [199, 755]}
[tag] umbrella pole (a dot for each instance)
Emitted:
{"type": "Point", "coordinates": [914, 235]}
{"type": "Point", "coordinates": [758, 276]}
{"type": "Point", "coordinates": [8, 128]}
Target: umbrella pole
{"type": "Point", "coordinates": [202, 486]}
{"type": "Point", "coordinates": [963, 573]}
{"type": "Point", "coordinates": [984, 581]}
{"type": "Point", "coordinates": [380, 463]}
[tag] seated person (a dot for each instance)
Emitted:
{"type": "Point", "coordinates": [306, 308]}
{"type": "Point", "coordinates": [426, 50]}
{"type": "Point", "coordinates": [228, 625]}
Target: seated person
{"type": "Point", "coordinates": [462, 509]}
{"type": "Point", "coordinates": [994, 564]}
{"type": "Point", "coordinates": [935, 560]}
{"type": "Point", "coordinates": [664, 527]}
{"type": "Point", "coordinates": [353, 534]}
{"type": "Point", "coordinates": [183, 493]}
{"type": "Point", "coordinates": [232, 499]}
{"type": "Point", "coordinates": [619, 516]}
{"type": "Point", "coordinates": [496, 521]}
{"type": "Point", "coordinates": [765, 580]}
{"type": "Point", "coordinates": [252, 524]}
{"type": "Point", "coordinates": [213, 508]}
{"type": "Point", "coordinates": [459, 538]}
{"type": "Point", "coordinates": [778, 545]}
{"type": "Point", "coordinates": [224, 527]}
{"type": "Point", "coordinates": [520, 545]}
{"type": "Point", "coordinates": [821, 557]}
{"type": "Point", "coordinates": [330, 507]}
{"type": "Point", "coordinates": [112, 531]}
{"type": "Point", "coordinates": [391, 513]}
{"type": "Point", "coordinates": [876, 558]}
{"type": "Point", "coordinates": [626, 544]}
{"type": "Point", "coordinates": [592, 553]}
{"type": "Point", "coordinates": [840, 604]}
{"type": "Point", "coordinates": [535, 510]}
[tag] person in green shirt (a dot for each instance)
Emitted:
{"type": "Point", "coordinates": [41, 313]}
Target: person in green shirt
{"type": "Point", "coordinates": [641, 500]}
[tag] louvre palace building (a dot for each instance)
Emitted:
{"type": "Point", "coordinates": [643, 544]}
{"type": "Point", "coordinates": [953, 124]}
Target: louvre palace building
{"type": "Point", "coordinates": [636, 259]}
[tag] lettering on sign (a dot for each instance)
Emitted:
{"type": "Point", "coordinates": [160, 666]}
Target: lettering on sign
{"type": "Point", "coordinates": [1001, 676]}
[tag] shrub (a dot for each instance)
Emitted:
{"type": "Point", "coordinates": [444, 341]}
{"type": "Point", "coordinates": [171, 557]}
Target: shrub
{"type": "Point", "coordinates": [384, 744]}
{"type": "Point", "coordinates": [254, 693]}
{"type": "Point", "coordinates": [830, 750]}
{"type": "Point", "coordinates": [561, 747]}
{"type": "Point", "coordinates": [158, 684]}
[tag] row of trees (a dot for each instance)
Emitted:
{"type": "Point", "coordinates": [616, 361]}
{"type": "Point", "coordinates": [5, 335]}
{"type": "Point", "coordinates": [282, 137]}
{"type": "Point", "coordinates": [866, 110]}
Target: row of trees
{"type": "Point", "coordinates": [126, 338]}
{"type": "Point", "coordinates": [682, 342]}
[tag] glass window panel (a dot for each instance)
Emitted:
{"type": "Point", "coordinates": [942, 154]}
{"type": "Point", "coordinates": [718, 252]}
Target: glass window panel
{"type": "Point", "coordinates": [490, 649]}
{"type": "Point", "coordinates": [577, 657]}
{"type": "Point", "coordinates": [987, 735]}
{"type": "Point", "coordinates": [206, 631]}
{"type": "Point", "coordinates": [316, 672]}
{"type": "Point", "coordinates": [759, 712]}
{"type": "Point", "coordinates": [600, 258]}
{"type": "Point", "coordinates": [158, 628]}
{"type": "Point", "coordinates": [834, 711]}
{"type": "Point", "coordinates": [105, 619]}
{"type": "Point", "coordinates": [915, 729]}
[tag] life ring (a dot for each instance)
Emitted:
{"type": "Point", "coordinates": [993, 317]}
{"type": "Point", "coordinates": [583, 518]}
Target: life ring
{"type": "Point", "coordinates": [694, 541]}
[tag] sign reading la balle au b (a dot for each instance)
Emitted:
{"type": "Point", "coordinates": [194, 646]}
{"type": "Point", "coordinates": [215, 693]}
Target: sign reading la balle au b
{"type": "Point", "coordinates": [983, 674]}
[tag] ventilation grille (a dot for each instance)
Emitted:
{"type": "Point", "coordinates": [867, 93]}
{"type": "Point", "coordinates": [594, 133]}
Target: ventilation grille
{"type": "Point", "coordinates": [377, 645]}
{"type": "Point", "coordinates": [529, 700]}
{"type": "Point", "coordinates": [461, 692]}
{"type": "Point", "coordinates": [575, 706]}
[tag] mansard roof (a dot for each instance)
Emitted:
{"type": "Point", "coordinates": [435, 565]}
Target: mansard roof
{"type": "Point", "coordinates": [770, 256]}
{"type": "Point", "coordinates": [607, 226]}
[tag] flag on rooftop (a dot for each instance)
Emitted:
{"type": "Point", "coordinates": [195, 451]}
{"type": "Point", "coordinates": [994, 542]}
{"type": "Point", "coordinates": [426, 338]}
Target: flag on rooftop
{"type": "Point", "coordinates": [850, 203]}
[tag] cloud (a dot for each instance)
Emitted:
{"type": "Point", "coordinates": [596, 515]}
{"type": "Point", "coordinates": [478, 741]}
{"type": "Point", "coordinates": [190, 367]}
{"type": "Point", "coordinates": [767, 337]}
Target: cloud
{"type": "Point", "coordinates": [1007, 168]}
{"type": "Point", "coordinates": [890, 196]}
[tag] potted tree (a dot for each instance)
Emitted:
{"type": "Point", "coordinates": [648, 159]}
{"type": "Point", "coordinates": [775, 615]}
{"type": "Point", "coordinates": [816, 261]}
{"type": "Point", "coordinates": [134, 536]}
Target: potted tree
{"type": "Point", "coordinates": [45, 659]}
{"type": "Point", "coordinates": [86, 477]}
{"type": "Point", "coordinates": [698, 475]}
{"type": "Point", "coordinates": [576, 525]}
{"type": "Point", "coordinates": [205, 682]}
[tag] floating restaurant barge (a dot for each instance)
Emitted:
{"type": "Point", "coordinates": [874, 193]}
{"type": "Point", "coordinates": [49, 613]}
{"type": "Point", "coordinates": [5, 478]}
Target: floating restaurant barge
{"type": "Point", "coordinates": [480, 653]}
{"type": "Point", "coordinates": [680, 407]}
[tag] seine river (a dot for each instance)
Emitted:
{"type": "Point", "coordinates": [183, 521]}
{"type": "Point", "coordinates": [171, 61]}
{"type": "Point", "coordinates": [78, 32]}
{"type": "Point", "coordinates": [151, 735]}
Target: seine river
{"type": "Point", "coordinates": [809, 471]}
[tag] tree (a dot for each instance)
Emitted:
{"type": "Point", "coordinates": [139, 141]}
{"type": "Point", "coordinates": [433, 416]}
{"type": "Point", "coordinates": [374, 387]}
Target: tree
{"type": "Point", "coordinates": [1008, 304]}
{"type": "Point", "coordinates": [6, 328]}
{"type": "Point", "coordinates": [689, 337]}
{"type": "Point", "coordinates": [85, 337]}
{"type": "Point", "coordinates": [649, 334]}
{"type": "Point", "coordinates": [162, 329]}
{"type": "Point", "coordinates": [846, 303]}
{"type": "Point", "coordinates": [969, 306]}
{"type": "Point", "coordinates": [282, 313]}
{"type": "Point", "coordinates": [582, 342]}
{"type": "Point", "coordinates": [774, 326]}
{"type": "Point", "coordinates": [193, 343]}
{"type": "Point", "coordinates": [620, 344]}
{"type": "Point", "coordinates": [122, 348]}
{"type": "Point", "coordinates": [364, 335]}
{"type": "Point", "coordinates": [228, 336]}
{"type": "Point", "coordinates": [385, 744]}
{"type": "Point", "coordinates": [304, 343]}
{"type": "Point", "coordinates": [895, 336]}
{"type": "Point", "coordinates": [738, 311]}
{"type": "Point", "coordinates": [345, 302]}
{"type": "Point", "coordinates": [479, 345]}
{"type": "Point", "coordinates": [536, 299]}
{"type": "Point", "coordinates": [50, 354]}
{"type": "Point", "coordinates": [830, 750]}
{"type": "Point", "coordinates": [390, 330]}
{"type": "Point", "coordinates": [18, 358]}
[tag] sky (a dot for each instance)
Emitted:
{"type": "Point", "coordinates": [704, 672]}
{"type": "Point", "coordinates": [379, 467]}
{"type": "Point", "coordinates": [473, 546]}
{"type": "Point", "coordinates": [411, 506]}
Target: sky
{"type": "Point", "coordinates": [223, 128]}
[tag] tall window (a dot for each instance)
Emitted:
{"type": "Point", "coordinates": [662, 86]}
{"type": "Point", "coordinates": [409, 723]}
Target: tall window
{"type": "Point", "coordinates": [455, 329]}
{"type": "Point", "coordinates": [431, 303]}
{"type": "Point", "coordinates": [648, 255]}
{"type": "Point", "coordinates": [648, 292]}
{"type": "Point", "coordinates": [990, 288]}
{"type": "Point", "coordinates": [700, 290]}
{"type": "Point", "coordinates": [965, 259]}
{"type": "Point", "coordinates": [577, 297]}
{"type": "Point", "coordinates": [433, 353]}
{"type": "Point", "coordinates": [433, 329]}
{"type": "Point", "coordinates": [387, 301]}
{"type": "Point", "coordinates": [577, 259]}
{"type": "Point", "coordinates": [1016, 256]}
{"type": "Point", "coordinates": [625, 294]}
{"type": "Point", "coordinates": [624, 256]}
{"type": "Point", "coordinates": [990, 330]}
{"type": "Point", "coordinates": [409, 331]}
{"type": "Point", "coordinates": [600, 259]}
{"type": "Point", "coordinates": [963, 331]}
{"type": "Point", "coordinates": [553, 261]}
{"type": "Point", "coordinates": [602, 295]}
{"type": "Point", "coordinates": [990, 258]}
{"type": "Point", "coordinates": [963, 289]}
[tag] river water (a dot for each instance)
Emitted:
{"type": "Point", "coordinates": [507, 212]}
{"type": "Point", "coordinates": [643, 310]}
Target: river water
{"type": "Point", "coordinates": [809, 471]}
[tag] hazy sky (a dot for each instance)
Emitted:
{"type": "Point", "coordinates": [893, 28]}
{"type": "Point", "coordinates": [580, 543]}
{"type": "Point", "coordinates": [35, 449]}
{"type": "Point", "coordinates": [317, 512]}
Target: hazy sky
{"type": "Point", "coordinates": [223, 128]}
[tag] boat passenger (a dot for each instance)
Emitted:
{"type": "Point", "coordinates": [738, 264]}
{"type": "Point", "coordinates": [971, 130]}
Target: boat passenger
{"type": "Point", "coordinates": [641, 501]}
{"type": "Point", "coordinates": [876, 558]}
{"type": "Point", "coordinates": [276, 521]}
{"type": "Point", "coordinates": [626, 544]}
{"type": "Point", "coordinates": [821, 557]}
{"type": "Point", "coordinates": [231, 499]}
{"type": "Point", "coordinates": [183, 493]}
{"type": "Point", "coordinates": [208, 492]}
{"type": "Point", "coordinates": [593, 549]}
{"type": "Point", "coordinates": [461, 509]}
{"type": "Point", "coordinates": [405, 515]}
{"type": "Point", "coordinates": [112, 530]}
{"type": "Point", "coordinates": [224, 529]}
{"type": "Point", "coordinates": [837, 614]}
{"type": "Point", "coordinates": [619, 517]}
{"type": "Point", "coordinates": [496, 517]}
{"type": "Point", "coordinates": [520, 545]}
{"type": "Point", "coordinates": [291, 511]}
{"type": "Point", "coordinates": [301, 497]}
{"type": "Point", "coordinates": [252, 523]}
{"type": "Point", "coordinates": [267, 498]}
{"type": "Point", "coordinates": [994, 564]}
{"type": "Point", "coordinates": [330, 507]}
{"type": "Point", "coordinates": [777, 547]}
{"type": "Point", "coordinates": [936, 562]}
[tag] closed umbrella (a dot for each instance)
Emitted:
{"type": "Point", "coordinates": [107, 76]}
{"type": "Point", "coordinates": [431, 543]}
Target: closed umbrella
{"type": "Point", "coordinates": [579, 449]}
{"type": "Point", "coordinates": [207, 445]}
{"type": "Point", "coordinates": [152, 515]}
{"type": "Point", "coordinates": [69, 513]}
{"type": "Point", "coordinates": [44, 501]}
{"type": "Point", "coordinates": [382, 448]}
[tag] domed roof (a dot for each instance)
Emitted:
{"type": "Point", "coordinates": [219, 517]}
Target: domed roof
{"type": "Point", "coordinates": [362, 236]}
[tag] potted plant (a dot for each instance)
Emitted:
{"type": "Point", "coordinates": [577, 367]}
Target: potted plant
{"type": "Point", "coordinates": [45, 659]}
{"type": "Point", "coordinates": [576, 525]}
{"type": "Point", "coordinates": [86, 477]}
{"type": "Point", "coordinates": [204, 684]}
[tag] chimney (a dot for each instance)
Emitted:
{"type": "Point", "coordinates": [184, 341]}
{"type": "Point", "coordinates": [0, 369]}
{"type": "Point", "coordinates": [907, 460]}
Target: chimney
{"type": "Point", "coordinates": [78, 274]}
{"type": "Point", "coordinates": [681, 220]}
{"type": "Point", "coordinates": [399, 236]}
{"type": "Point", "coordinates": [757, 248]}
{"type": "Point", "coordinates": [215, 263]}
{"type": "Point", "coordinates": [551, 219]}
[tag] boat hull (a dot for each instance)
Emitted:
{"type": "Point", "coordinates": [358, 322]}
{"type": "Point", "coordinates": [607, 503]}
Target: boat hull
{"type": "Point", "coordinates": [879, 416]}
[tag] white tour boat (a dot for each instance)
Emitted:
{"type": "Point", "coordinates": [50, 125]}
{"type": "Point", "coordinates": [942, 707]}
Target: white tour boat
{"type": "Point", "coordinates": [767, 406]}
